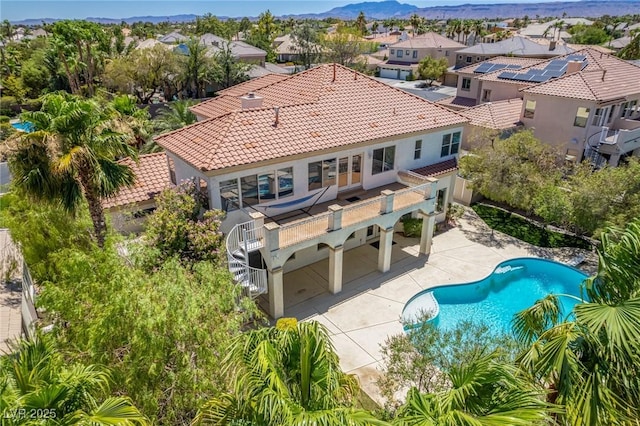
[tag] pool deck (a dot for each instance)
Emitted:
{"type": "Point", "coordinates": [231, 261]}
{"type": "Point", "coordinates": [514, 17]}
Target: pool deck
{"type": "Point", "coordinates": [367, 311]}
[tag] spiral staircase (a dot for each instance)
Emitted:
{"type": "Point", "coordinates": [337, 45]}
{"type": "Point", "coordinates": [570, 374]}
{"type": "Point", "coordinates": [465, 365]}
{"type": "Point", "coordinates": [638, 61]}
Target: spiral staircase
{"type": "Point", "coordinates": [243, 240]}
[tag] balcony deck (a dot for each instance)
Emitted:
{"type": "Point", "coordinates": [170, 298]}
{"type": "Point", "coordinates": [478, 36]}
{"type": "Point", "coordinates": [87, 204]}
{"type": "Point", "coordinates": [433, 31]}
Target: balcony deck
{"type": "Point", "coordinates": [363, 207]}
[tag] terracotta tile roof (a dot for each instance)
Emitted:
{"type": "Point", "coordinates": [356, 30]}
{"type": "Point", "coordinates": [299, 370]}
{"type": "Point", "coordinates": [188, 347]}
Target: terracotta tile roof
{"type": "Point", "coordinates": [495, 115]}
{"type": "Point", "coordinates": [457, 102]}
{"type": "Point", "coordinates": [152, 176]}
{"type": "Point", "coordinates": [507, 60]}
{"type": "Point", "coordinates": [229, 99]}
{"type": "Point", "coordinates": [438, 169]}
{"type": "Point", "coordinates": [329, 106]}
{"type": "Point", "coordinates": [605, 78]}
{"type": "Point", "coordinates": [427, 41]}
{"type": "Point", "coordinates": [620, 79]}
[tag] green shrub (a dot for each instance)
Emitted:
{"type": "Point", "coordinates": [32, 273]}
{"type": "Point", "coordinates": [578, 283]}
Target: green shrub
{"type": "Point", "coordinates": [522, 229]}
{"type": "Point", "coordinates": [8, 106]}
{"type": "Point", "coordinates": [4, 119]}
{"type": "Point", "coordinates": [410, 77]}
{"type": "Point", "coordinates": [412, 227]}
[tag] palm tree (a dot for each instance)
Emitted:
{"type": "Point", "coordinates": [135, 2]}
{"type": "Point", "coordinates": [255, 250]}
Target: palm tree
{"type": "Point", "coordinates": [588, 359]}
{"type": "Point", "coordinates": [361, 23]}
{"type": "Point", "coordinates": [37, 388]}
{"type": "Point", "coordinates": [227, 70]}
{"type": "Point", "coordinates": [176, 116]}
{"type": "Point", "coordinates": [71, 155]}
{"type": "Point", "coordinates": [483, 392]}
{"type": "Point", "coordinates": [287, 375]}
{"type": "Point", "coordinates": [137, 119]}
{"type": "Point", "coordinates": [415, 21]}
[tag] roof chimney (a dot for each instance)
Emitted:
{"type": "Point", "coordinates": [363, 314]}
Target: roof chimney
{"type": "Point", "coordinates": [574, 66]}
{"type": "Point", "coordinates": [552, 45]}
{"type": "Point", "coordinates": [251, 100]}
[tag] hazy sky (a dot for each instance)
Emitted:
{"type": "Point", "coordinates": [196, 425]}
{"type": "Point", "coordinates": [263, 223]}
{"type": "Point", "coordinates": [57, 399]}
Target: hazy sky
{"type": "Point", "coordinates": [24, 9]}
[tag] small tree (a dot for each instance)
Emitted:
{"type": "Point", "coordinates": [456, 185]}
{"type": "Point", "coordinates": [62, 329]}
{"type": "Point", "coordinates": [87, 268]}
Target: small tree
{"type": "Point", "coordinates": [432, 69]}
{"type": "Point", "coordinates": [179, 228]}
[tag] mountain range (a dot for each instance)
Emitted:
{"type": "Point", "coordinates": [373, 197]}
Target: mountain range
{"type": "Point", "coordinates": [395, 9]}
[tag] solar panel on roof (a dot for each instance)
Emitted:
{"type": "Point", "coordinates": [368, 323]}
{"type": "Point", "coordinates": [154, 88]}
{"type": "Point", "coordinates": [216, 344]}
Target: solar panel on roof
{"type": "Point", "coordinates": [514, 67]}
{"type": "Point", "coordinates": [483, 68]}
{"type": "Point", "coordinates": [507, 75]}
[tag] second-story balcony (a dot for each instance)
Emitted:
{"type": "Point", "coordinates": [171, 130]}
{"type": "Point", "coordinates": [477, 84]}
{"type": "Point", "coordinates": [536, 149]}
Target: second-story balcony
{"type": "Point", "coordinates": [625, 138]}
{"type": "Point", "coordinates": [348, 214]}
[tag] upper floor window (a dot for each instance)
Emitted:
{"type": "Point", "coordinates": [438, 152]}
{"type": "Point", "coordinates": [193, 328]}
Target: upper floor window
{"type": "Point", "coordinates": [598, 116]}
{"type": "Point", "coordinates": [383, 160]}
{"type": "Point", "coordinates": [229, 199]}
{"type": "Point", "coordinates": [415, 54]}
{"type": "Point", "coordinates": [486, 95]}
{"type": "Point", "coordinates": [322, 174]}
{"type": "Point", "coordinates": [628, 109]}
{"type": "Point", "coordinates": [529, 109]}
{"type": "Point", "coordinates": [407, 52]}
{"type": "Point", "coordinates": [417, 153]}
{"type": "Point", "coordinates": [469, 59]}
{"type": "Point", "coordinates": [450, 144]}
{"type": "Point", "coordinates": [400, 51]}
{"type": "Point", "coordinates": [392, 51]}
{"type": "Point", "coordinates": [446, 53]}
{"type": "Point", "coordinates": [466, 84]}
{"type": "Point", "coordinates": [582, 115]}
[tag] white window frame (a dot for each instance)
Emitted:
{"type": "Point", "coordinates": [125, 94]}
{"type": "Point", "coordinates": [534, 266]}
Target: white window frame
{"type": "Point", "coordinates": [466, 87]}
{"type": "Point", "coordinates": [529, 108]}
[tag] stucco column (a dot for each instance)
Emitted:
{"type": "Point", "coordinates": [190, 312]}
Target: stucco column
{"type": "Point", "coordinates": [384, 252]}
{"type": "Point", "coordinates": [276, 296]}
{"type": "Point", "coordinates": [426, 237]}
{"type": "Point", "coordinates": [335, 269]}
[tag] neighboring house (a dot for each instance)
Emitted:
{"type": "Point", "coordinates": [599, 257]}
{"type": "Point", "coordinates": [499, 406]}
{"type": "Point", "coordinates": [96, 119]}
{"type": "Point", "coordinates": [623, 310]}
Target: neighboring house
{"type": "Point", "coordinates": [310, 165]}
{"type": "Point", "coordinates": [150, 43]}
{"type": "Point", "coordinates": [513, 46]}
{"type": "Point", "coordinates": [285, 49]}
{"type": "Point", "coordinates": [173, 38]}
{"type": "Point", "coordinates": [268, 68]}
{"type": "Point", "coordinates": [619, 43]}
{"type": "Point", "coordinates": [550, 30]}
{"type": "Point", "coordinates": [469, 81]}
{"type": "Point", "coordinates": [491, 120]}
{"type": "Point", "coordinates": [241, 51]}
{"type": "Point", "coordinates": [586, 104]}
{"type": "Point", "coordinates": [405, 56]}
{"type": "Point", "coordinates": [591, 112]}
{"type": "Point", "coordinates": [130, 206]}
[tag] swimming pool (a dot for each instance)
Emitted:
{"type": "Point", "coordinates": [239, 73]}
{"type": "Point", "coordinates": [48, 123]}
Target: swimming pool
{"type": "Point", "coordinates": [513, 286]}
{"type": "Point", "coordinates": [24, 126]}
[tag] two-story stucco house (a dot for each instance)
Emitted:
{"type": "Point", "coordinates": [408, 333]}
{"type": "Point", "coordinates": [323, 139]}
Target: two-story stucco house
{"type": "Point", "coordinates": [586, 103]}
{"type": "Point", "coordinates": [405, 55]}
{"type": "Point", "coordinates": [313, 164]}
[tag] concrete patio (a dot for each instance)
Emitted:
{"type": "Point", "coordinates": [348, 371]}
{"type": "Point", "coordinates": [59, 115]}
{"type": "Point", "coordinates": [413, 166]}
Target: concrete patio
{"type": "Point", "coordinates": [367, 311]}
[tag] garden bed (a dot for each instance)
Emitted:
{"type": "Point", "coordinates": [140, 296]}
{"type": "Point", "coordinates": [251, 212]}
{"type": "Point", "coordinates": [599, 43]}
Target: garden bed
{"type": "Point", "coordinates": [525, 230]}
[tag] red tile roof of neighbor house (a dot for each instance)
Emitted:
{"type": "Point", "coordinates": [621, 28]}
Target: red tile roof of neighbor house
{"type": "Point", "coordinates": [152, 176]}
{"type": "Point", "coordinates": [495, 115]}
{"type": "Point", "coordinates": [438, 169]}
{"type": "Point", "coordinates": [605, 78]}
{"type": "Point", "coordinates": [507, 60]}
{"type": "Point", "coordinates": [429, 40]}
{"type": "Point", "coordinates": [329, 106]}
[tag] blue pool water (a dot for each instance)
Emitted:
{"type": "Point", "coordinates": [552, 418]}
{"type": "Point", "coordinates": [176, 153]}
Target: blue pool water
{"type": "Point", "coordinates": [24, 126]}
{"type": "Point", "coordinates": [513, 286]}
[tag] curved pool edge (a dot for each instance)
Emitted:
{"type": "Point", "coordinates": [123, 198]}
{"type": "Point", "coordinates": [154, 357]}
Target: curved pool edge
{"type": "Point", "coordinates": [498, 266]}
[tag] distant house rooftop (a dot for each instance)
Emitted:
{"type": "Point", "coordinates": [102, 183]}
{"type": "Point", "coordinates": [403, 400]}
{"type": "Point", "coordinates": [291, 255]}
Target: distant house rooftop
{"type": "Point", "coordinates": [173, 37]}
{"type": "Point", "coordinates": [516, 46]}
{"type": "Point", "coordinates": [428, 40]}
{"type": "Point", "coordinates": [239, 48]}
{"type": "Point", "coordinates": [507, 60]}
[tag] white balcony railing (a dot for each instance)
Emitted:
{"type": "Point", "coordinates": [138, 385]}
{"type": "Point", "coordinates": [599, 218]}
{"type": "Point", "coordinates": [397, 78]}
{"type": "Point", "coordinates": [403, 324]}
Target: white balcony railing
{"type": "Point", "coordinates": [352, 215]}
